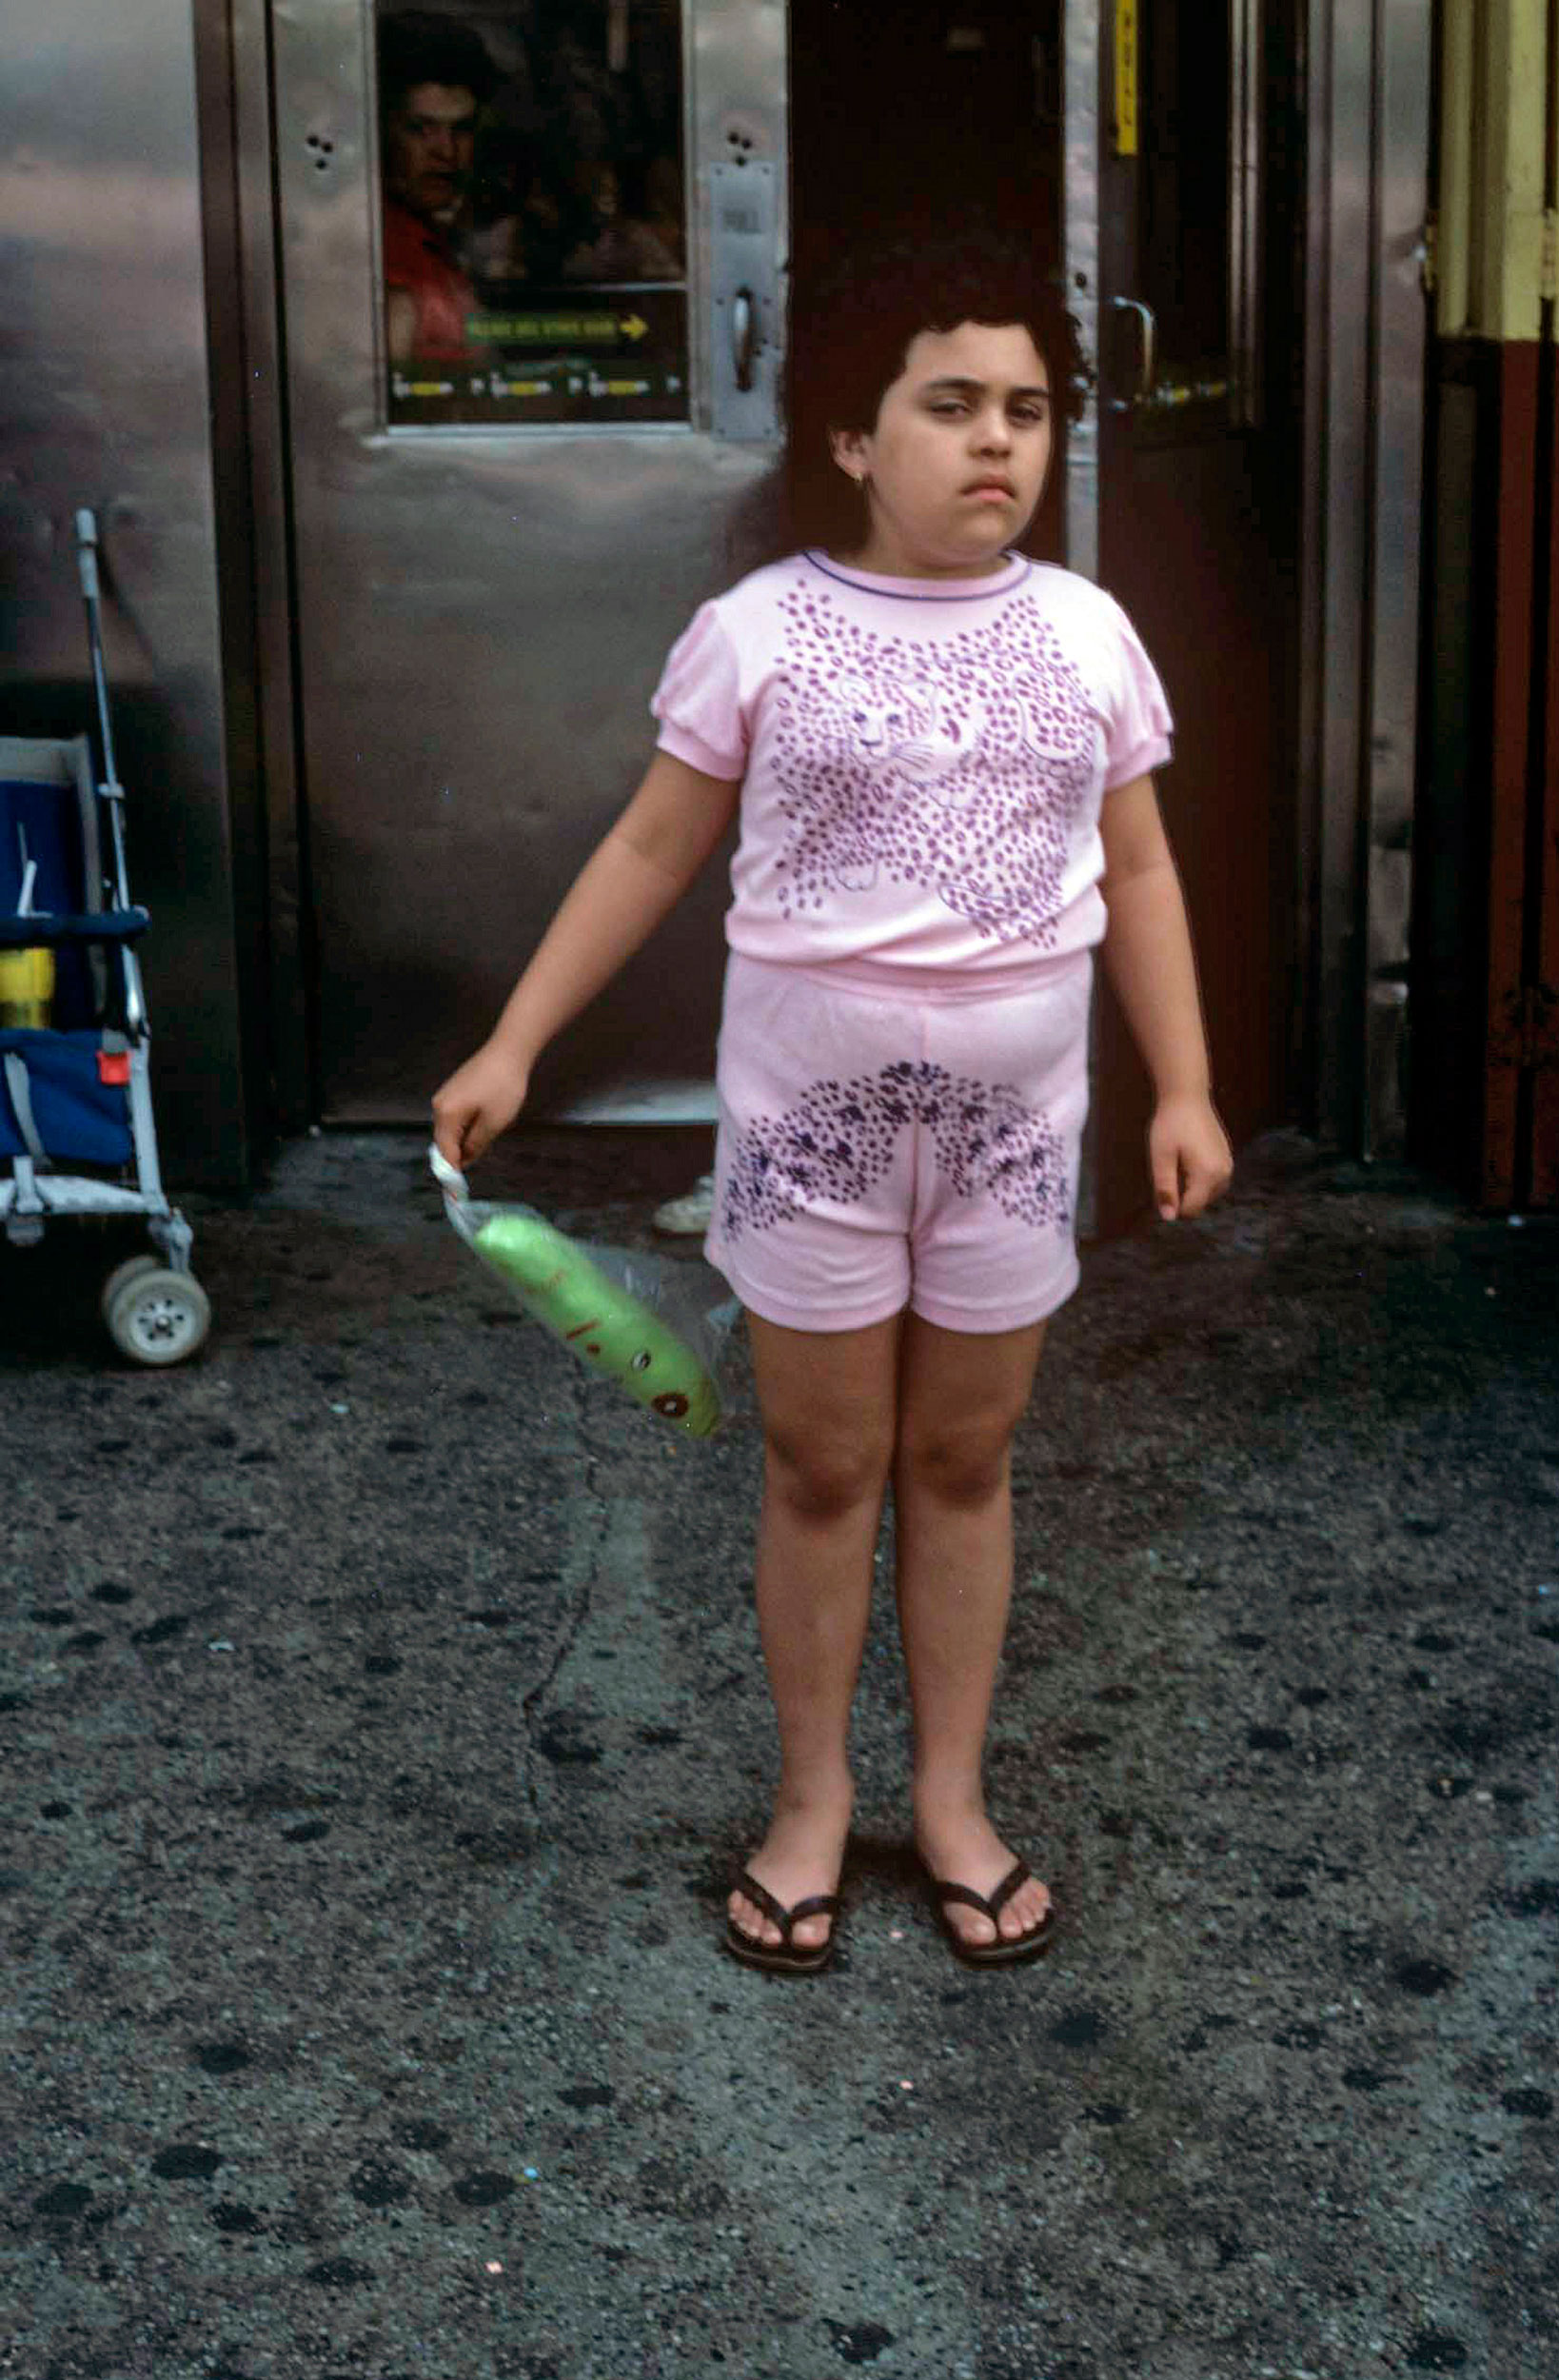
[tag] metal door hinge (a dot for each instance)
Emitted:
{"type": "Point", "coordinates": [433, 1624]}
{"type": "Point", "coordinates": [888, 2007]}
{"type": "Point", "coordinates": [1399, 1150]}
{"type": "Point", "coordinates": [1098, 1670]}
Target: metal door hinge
{"type": "Point", "coordinates": [1429, 255]}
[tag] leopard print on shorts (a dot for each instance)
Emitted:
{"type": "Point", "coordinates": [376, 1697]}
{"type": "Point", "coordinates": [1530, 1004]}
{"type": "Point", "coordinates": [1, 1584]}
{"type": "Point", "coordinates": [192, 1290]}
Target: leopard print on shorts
{"type": "Point", "coordinates": [838, 1141]}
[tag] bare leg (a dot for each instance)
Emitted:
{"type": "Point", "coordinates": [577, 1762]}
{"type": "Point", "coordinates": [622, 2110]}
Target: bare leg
{"type": "Point", "coordinates": [827, 1401]}
{"type": "Point", "coordinates": [962, 1397]}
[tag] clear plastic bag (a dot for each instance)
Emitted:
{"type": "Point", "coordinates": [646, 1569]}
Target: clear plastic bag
{"type": "Point", "coordinates": [662, 1329]}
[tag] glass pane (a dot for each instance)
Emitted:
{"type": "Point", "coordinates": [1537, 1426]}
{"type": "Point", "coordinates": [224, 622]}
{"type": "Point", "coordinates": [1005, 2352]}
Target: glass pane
{"type": "Point", "coordinates": [534, 244]}
{"type": "Point", "coordinates": [1182, 267]}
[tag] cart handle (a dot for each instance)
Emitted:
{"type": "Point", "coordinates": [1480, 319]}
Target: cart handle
{"type": "Point", "coordinates": [86, 553]}
{"type": "Point", "coordinates": [86, 562]}
{"type": "Point", "coordinates": [110, 787]}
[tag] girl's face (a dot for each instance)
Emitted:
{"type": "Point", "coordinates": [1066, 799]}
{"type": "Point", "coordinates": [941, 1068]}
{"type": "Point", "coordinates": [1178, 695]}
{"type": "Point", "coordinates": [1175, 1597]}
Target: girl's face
{"type": "Point", "coordinates": [954, 466]}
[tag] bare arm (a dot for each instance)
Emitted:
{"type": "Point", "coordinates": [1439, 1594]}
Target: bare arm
{"type": "Point", "coordinates": [400, 325]}
{"type": "Point", "coordinates": [631, 880]}
{"type": "Point", "coordinates": [1148, 953]}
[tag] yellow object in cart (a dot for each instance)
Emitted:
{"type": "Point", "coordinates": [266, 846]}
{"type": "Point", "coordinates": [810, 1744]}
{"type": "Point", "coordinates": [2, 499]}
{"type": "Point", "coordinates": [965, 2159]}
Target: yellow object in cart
{"type": "Point", "coordinates": [27, 989]}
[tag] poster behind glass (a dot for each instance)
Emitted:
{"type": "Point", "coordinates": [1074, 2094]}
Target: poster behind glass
{"type": "Point", "coordinates": [534, 245]}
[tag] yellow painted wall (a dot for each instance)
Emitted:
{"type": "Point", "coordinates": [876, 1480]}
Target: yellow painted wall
{"type": "Point", "coordinates": [1497, 253]}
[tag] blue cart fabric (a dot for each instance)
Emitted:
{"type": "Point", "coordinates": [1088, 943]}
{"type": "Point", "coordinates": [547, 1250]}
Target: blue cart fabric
{"type": "Point", "coordinates": [80, 1118]}
{"type": "Point", "coordinates": [47, 821]}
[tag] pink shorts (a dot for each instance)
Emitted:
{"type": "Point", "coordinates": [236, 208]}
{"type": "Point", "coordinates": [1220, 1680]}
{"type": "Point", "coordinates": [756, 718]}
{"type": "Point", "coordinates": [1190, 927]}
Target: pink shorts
{"type": "Point", "coordinates": [885, 1144]}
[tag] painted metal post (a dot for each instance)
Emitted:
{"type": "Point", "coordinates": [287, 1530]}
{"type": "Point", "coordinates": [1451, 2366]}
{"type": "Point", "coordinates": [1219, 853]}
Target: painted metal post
{"type": "Point", "coordinates": [1400, 165]}
{"type": "Point", "coordinates": [1509, 230]}
{"type": "Point", "coordinates": [1368, 200]}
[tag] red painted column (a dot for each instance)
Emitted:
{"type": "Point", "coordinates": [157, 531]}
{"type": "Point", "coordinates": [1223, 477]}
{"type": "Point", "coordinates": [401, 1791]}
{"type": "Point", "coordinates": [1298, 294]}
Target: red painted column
{"type": "Point", "coordinates": [1512, 591]}
{"type": "Point", "coordinates": [1545, 1156]}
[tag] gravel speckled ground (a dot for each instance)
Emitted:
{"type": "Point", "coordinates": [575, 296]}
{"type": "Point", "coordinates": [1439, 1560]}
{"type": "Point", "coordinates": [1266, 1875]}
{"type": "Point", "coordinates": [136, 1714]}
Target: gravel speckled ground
{"type": "Point", "coordinates": [383, 1716]}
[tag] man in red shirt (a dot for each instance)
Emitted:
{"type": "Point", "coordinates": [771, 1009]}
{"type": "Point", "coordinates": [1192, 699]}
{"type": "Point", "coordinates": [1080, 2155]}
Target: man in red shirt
{"type": "Point", "coordinates": [434, 74]}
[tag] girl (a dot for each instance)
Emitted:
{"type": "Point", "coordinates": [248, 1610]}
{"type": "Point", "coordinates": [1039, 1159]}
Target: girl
{"type": "Point", "coordinates": [941, 752]}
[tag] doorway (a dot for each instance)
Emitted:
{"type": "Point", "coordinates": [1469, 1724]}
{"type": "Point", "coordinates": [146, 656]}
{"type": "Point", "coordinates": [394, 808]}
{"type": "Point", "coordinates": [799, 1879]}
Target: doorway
{"type": "Point", "coordinates": [1151, 152]}
{"type": "Point", "coordinates": [1200, 330]}
{"type": "Point", "coordinates": [485, 581]}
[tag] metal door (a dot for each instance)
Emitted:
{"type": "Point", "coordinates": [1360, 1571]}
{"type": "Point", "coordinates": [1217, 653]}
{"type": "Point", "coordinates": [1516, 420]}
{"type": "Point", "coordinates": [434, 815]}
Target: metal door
{"type": "Point", "coordinates": [531, 311]}
{"type": "Point", "coordinates": [1180, 149]}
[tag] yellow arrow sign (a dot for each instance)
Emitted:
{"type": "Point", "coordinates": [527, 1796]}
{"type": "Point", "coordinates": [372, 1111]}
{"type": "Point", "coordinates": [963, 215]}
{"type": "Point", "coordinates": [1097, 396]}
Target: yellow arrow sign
{"type": "Point", "coordinates": [547, 330]}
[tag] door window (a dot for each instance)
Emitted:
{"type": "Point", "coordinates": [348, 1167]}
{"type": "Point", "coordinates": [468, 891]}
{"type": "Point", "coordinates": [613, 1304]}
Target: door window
{"type": "Point", "coordinates": [1176, 63]}
{"type": "Point", "coordinates": [533, 224]}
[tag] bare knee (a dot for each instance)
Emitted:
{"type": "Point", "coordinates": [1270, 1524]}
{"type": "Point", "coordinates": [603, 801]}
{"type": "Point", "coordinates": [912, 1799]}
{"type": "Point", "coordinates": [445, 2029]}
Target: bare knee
{"type": "Point", "coordinates": [826, 1476]}
{"type": "Point", "coordinates": [962, 1465]}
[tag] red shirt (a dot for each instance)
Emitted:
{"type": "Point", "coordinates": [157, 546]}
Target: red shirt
{"type": "Point", "coordinates": [417, 260]}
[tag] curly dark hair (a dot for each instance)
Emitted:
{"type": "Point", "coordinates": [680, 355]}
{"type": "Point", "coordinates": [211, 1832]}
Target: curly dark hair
{"type": "Point", "coordinates": [421, 46]}
{"type": "Point", "coordinates": [850, 331]}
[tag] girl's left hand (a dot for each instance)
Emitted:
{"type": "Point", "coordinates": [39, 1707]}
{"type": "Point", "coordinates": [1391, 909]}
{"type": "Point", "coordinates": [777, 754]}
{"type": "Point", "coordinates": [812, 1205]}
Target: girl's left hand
{"type": "Point", "coordinates": [1189, 1153]}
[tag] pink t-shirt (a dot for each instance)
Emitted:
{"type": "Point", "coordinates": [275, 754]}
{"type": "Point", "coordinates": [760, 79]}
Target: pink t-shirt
{"type": "Point", "coordinates": [923, 761]}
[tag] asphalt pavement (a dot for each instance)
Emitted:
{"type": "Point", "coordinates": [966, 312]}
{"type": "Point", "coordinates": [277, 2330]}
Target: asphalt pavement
{"type": "Point", "coordinates": [384, 1717]}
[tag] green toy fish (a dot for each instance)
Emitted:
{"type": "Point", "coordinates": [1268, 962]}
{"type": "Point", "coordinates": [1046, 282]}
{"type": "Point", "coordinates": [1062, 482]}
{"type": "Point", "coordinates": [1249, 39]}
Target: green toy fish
{"type": "Point", "coordinates": [607, 1327]}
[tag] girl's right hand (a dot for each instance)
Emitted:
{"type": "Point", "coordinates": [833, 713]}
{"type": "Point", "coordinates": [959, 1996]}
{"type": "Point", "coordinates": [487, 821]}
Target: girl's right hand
{"type": "Point", "coordinates": [481, 1099]}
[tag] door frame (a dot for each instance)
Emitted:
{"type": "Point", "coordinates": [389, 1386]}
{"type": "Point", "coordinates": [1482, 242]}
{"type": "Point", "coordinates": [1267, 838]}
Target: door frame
{"type": "Point", "coordinates": [1367, 114]}
{"type": "Point", "coordinates": [1080, 134]}
{"type": "Point", "coordinates": [260, 553]}
{"type": "Point", "coordinates": [1366, 100]}
{"type": "Point", "coordinates": [1366, 335]}
{"type": "Point", "coordinates": [1237, 431]}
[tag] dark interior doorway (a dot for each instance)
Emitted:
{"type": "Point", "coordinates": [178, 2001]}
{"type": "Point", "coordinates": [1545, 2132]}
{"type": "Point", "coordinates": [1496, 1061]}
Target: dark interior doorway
{"type": "Point", "coordinates": [945, 107]}
{"type": "Point", "coordinates": [1202, 224]}
{"type": "Point", "coordinates": [919, 116]}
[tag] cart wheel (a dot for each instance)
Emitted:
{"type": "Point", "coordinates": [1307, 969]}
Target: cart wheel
{"type": "Point", "coordinates": [159, 1316]}
{"type": "Point", "coordinates": [131, 1270]}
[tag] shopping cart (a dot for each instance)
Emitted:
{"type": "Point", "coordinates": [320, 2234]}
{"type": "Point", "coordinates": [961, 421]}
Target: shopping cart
{"type": "Point", "coordinates": [77, 1135]}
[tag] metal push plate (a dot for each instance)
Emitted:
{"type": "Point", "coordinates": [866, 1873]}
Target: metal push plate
{"type": "Point", "coordinates": [744, 325]}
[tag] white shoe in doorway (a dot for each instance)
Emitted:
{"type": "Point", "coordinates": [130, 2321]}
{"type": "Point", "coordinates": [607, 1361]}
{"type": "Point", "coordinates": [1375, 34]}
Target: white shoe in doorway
{"type": "Point", "coordinates": [691, 1213]}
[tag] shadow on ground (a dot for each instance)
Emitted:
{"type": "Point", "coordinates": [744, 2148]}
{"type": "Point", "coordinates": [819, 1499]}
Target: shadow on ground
{"type": "Point", "coordinates": [383, 1712]}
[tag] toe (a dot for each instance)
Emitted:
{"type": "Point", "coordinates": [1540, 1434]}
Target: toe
{"type": "Point", "coordinates": [751, 1920]}
{"type": "Point", "coordinates": [1025, 1910]}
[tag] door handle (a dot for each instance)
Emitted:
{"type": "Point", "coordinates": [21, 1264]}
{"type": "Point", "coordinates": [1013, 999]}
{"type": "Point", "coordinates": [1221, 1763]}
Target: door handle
{"type": "Point", "coordinates": [1149, 365]}
{"type": "Point", "coordinates": [743, 338]}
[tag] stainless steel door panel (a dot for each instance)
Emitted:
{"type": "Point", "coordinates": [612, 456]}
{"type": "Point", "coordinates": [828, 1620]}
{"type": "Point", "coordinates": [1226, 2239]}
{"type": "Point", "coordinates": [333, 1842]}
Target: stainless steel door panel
{"type": "Point", "coordinates": [482, 615]}
{"type": "Point", "coordinates": [104, 401]}
{"type": "Point", "coordinates": [481, 723]}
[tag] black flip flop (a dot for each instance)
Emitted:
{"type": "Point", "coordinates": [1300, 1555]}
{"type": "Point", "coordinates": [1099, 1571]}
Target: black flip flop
{"type": "Point", "coordinates": [1000, 1952]}
{"type": "Point", "coordinates": [782, 1957]}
